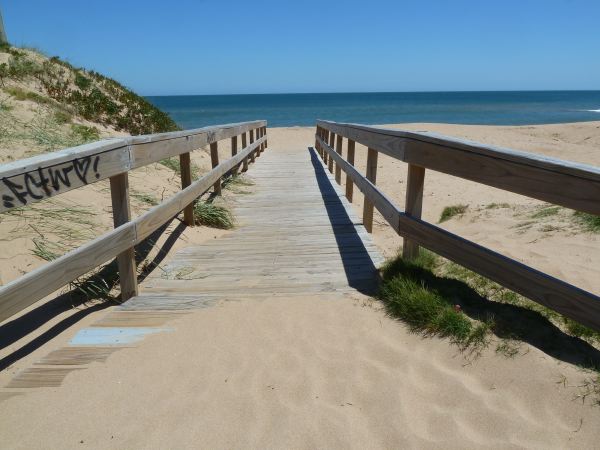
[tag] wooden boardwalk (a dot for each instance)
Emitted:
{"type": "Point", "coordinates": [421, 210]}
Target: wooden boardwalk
{"type": "Point", "coordinates": [296, 235]}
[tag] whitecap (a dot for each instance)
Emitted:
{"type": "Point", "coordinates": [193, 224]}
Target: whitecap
{"type": "Point", "coordinates": [593, 110]}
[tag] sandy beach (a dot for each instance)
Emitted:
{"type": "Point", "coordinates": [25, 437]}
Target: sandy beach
{"type": "Point", "coordinates": [331, 373]}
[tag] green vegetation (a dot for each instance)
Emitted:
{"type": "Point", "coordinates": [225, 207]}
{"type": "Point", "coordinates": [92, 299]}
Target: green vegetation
{"type": "Point", "coordinates": [589, 221]}
{"type": "Point", "coordinates": [145, 198]}
{"type": "Point", "coordinates": [412, 293]}
{"type": "Point", "coordinates": [546, 211]}
{"type": "Point", "coordinates": [92, 96]}
{"type": "Point", "coordinates": [84, 133]}
{"type": "Point", "coordinates": [22, 95]}
{"type": "Point", "coordinates": [450, 211]}
{"type": "Point", "coordinates": [211, 215]}
{"type": "Point", "coordinates": [174, 164]}
{"type": "Point", "coordinates": [236, 183]}
{"type": "Point", "coordinates": [497, 205]}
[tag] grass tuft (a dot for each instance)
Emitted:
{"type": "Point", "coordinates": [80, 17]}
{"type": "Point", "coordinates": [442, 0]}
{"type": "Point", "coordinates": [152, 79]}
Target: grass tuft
{"type": "Point", "coordinates": [450, 211]}
{"type": "Point", "coordinates": [590, 222]}
{"type": "Point", "coordinates": [408, 293]}
{"type": "Point", "coordinates": [546, 211]}
{"type": "Point", "coordinates": [211, 215]}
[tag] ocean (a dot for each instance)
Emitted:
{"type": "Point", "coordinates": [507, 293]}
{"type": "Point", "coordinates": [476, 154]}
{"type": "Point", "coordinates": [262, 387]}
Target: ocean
{"type": "Point", "coordinates": [483, 108]}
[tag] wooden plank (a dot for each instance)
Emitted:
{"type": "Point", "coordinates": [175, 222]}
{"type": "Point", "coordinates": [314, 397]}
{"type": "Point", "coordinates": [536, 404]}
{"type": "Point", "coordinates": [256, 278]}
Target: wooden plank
{"type": "Point", "coordinates": [36, 179]}
{"type": "Point", "coordinates": [564, 183]}
{"type": "Point", "coordinates": [186, 179]}
{"type": "Point", "coordinates": [372, 177]}
{"type": "Point", "coordinates": [338, 149]}
{"type": "Point", "coordinates": [349, 184]}
{"type": "Point", "coordinates": [77, 356]}
{"type": "Point", "coordinates": [562, 297]}
{"type": "Point", "coordinates": [153, 148]}
{"type": "Point", "coordinates": [154, 218]}
{"type": "Point", "coordinates": [214, 159]}
{"type": "Point", "coordinates": [44, 280]}
{"type": "Point", "coordinates": [245, 164]}
{"type": "Point", "coordinates": [251, 141]}
{"type": "Point", "coordinates": [331, 143]}
{"type": "Point", "coordinates": [414, 205]}
{"type": "Point", "coordinates": [36, 377]}
{"type": "Point", "coordinates": [119, 192]}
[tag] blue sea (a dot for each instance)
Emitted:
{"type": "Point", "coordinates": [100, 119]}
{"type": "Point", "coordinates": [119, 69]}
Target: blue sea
{"type": "Point", "coordinates": [484, 108]}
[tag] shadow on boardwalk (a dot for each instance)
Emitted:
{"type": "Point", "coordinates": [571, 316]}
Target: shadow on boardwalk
{"type": "Point", "coordinates": [358, 265]}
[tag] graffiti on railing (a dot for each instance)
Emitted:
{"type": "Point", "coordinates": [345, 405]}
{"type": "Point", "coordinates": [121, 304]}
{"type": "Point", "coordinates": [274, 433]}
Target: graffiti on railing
{"type": "Point", "coordinates": [43, 182]}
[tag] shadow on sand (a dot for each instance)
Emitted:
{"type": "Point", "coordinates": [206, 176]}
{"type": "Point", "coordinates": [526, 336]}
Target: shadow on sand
{"type": "Point", "coordinates": [22, 326]}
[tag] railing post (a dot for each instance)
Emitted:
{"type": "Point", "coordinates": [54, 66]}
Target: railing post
{"type": "Point", "coordinates": [119, 193]}
{"type": "Point", "coordinates": [252, 158]}
{"type": "Point", "coordinates": [349, 184]}
{"type": "Point", "coordinates": [372, 177]}
{"type": "Point", "coordinates": [338, 168]}
{"type": "Point", "coordinates": [317, 144]}
{"type": "Point", "coordinates": [244, 145]}
{"type": "Point", "coordinates": [324, 138]}
{"type": "Point", "coordinates": [185, 166]}
{"type": "Point", "coordinates": [258, 149]}
{"type": "Point", "coordinates": [414, 205]}
{"type": "Point", "coordinates": [265, 143]}
{"type": "Point", "coordinates": [234, 171]}
{"type": "Point", "coordinates": [331, 144]}
{"type": "Point", "coordinates": [214, 159]}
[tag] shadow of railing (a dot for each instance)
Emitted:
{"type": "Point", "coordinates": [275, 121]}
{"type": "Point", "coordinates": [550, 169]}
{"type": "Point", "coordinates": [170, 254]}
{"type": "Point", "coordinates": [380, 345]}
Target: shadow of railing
{"type": "Point", "coordinates": [359, 268]}
{"type": "Point", "coordinates": [20, 327]}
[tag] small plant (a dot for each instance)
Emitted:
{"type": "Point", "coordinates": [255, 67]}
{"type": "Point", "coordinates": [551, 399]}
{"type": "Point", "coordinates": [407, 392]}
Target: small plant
{"type": "Point", "coordinates": [145, 198]}
{"type": "Point", "coordinates": [81, 81]}
{"type": "Point", "coordinates": [497, 205]}
{"type": "Point", "coordinates": [22, 95]}
{"type": "Point", "coordinates": [172, 163]}
{"type": "Point", "coordinates": [61, 117]}
{"type": "Point", "coordinates": [408, 295]}
{"type": "Point", "coordinates": [450, 211]}
{"type": "Point", "coordinates": [546, 211]}
{"type": "Point", "coordinates": [589, 221]}
{"type": "Point", "coordinates": [211, 215]}
{"type": "Point", "coordinates": [84, 134]}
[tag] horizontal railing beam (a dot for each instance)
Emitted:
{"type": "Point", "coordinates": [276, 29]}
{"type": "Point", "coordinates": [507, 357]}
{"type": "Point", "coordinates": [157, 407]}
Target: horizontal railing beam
{"type": "Point", "coordinates": [35, 285]}
{"type": "Point", "coordinates": [35, 179]}
{"type": "Point", "coordinates": [564, 183]}
{"type": "Point", "coordinates": [544, 289]}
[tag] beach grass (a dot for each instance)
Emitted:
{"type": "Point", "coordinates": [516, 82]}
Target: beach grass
{"type": "Point", "coordinates": [211, 215]}
{"type": "Point", "coordinates": [451, 211]}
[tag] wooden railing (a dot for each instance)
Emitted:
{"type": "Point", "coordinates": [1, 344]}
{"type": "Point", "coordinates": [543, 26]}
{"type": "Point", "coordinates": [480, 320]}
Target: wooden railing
{"type": "Point", "coordinates": [41, 177]}
{"type": "Point", "coordinates": [575, 186]}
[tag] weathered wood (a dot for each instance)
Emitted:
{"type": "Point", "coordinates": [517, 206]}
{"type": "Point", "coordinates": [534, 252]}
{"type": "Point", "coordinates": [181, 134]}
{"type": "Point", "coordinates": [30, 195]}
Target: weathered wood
{"type": "Point", "coordinates": [119, 193]}
{"type": "Point", "coordinates": [331, 144]}
{"type": "Point", "coordinates": [33, 286]}
{"type": "Point", "coordinates": [214, 159]}
{"type": "Point", "coordinates": [349, 184]}
{"type": "Point", "coordinates": [245, 164]}
{"type": "Point", "coordinates": [414, 205]}
{"type": "Point", "coordinates": [562, 297]}
{"type": "Point", "coordinates": [338, 149]}
{"type": "Point", "coordinates": [153, 219]}
{"type": "Point", "coordinates": [372, 177]}
{"type": "Point", "coordinates": [185, 165]}
{"type": "Point", "coordinates": [251, 141]}
{"type": "Point", "coordinates": [36, 179]}
{"type": "Point", "coordinates": [564, 183]}
{"type": "Point", "coordinates": [234, 145]}
{"type": "Point", "coordinates": [152, 148]}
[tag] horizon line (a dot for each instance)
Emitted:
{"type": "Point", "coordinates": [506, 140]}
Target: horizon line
{"type": "Point", "coordinates": [374, 92]}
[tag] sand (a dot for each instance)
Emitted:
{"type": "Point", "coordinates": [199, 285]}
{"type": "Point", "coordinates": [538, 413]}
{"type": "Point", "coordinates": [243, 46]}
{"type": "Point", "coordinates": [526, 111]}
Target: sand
{"type": "Point", "coordinates": [307, 372]}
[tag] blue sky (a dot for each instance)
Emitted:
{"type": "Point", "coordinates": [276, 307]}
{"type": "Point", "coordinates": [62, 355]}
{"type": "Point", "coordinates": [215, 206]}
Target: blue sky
{"type": "Point", "coordinates": [265, 46]}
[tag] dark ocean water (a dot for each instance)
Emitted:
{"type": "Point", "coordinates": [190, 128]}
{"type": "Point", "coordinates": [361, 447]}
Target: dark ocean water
{"type": "Point", "coordinates": [484, 108]}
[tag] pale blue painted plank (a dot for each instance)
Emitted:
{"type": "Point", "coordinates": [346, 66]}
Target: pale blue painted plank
{"type": "Point", "coordinates": [102, 336]}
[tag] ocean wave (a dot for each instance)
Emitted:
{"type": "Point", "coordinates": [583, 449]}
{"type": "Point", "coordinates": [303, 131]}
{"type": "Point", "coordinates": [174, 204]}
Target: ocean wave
{"type": "Point", "coordinates": [593, 110]}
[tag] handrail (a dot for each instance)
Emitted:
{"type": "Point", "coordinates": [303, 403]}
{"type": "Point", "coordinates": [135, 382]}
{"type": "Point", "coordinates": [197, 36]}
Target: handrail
{"type": "Point", "coordinates": [576, 186]}
{"type": "Point", "coordinates": [41, 177]}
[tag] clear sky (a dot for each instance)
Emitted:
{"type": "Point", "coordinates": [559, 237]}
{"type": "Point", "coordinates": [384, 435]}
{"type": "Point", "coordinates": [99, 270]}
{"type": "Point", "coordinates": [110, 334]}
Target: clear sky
{"type": "Point", "coordinates": [277, 46]}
